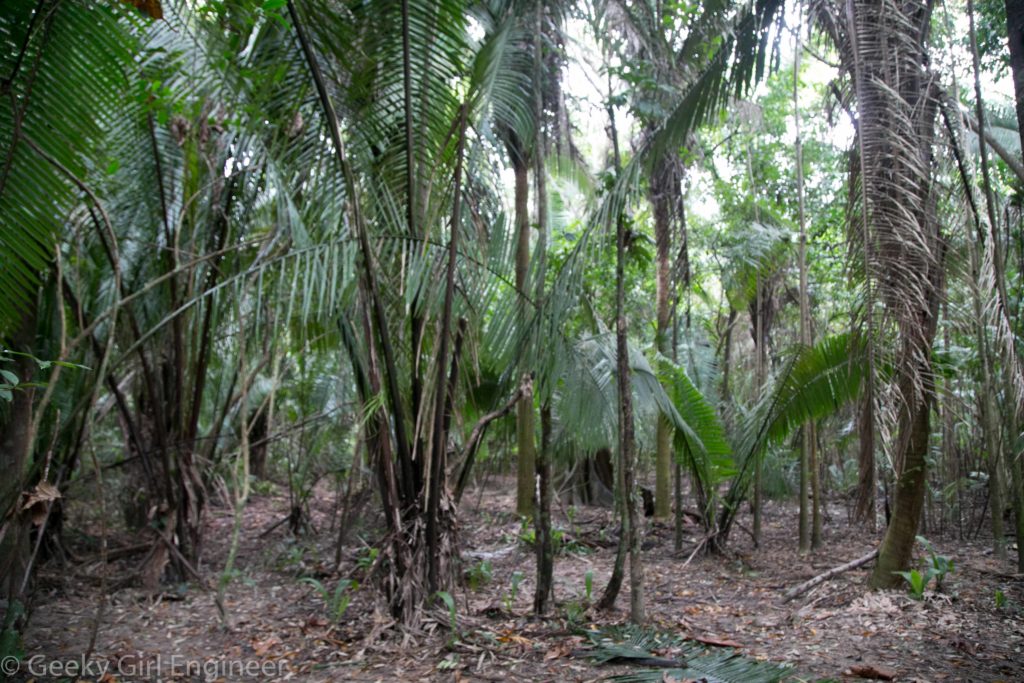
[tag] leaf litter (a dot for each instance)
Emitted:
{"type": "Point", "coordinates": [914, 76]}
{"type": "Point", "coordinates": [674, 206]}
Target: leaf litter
{"type": "Point", "coordinates": [732, 603]}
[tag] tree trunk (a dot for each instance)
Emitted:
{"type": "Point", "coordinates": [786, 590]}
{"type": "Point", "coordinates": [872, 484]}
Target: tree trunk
{"type": "Point", "coordinates": [727, 356]}
{"type": "Point", "coordinates": [759, 382]}
{"type": "Point", "coordinates": [990, 421]}
{"type": "Point", "coordinates": [950, 464]}
{"type": "Point", "coordinates": [883, 45]}
{"type": "Point", "coordinates": [545, 549]}
{"type": "Point", "coordinates": [524, 411]}
{"type": "Point", "coordinates": [545, 558]}
{"type": "Point", "coordinates": [629, 540]}
{"type": "Point", "coordinates": [436, 488]}
{"type": "Point", "coordinates": [809, 535]}
{"type": "Point", "coordinates": [683, 274]}
{"type": "Point", "coordinates": [986, 391]}
{"type": "Point", "coordinates": [1017, 477]}
{"type": "Point", "coordinates": [15, 448]}
{"type": "Point", "coordinates": [864, 511]}
{"type": "Point", "coordinates": [760, 333]}
{"type": "Point", "coordinates": [897, 547]}
{"type": "Point", "coordinates": [661, 196]}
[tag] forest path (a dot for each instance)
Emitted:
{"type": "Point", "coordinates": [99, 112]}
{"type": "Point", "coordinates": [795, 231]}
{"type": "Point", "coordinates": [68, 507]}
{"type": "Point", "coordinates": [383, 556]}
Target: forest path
{"type": "Point", "coordinates": [281, 625]}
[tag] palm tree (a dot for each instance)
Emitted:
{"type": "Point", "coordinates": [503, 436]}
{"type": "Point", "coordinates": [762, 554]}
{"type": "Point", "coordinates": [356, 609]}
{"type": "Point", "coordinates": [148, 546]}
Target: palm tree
{"type": "Point", "coordinates": [236, 185]}
{"type": "Point", "coordinates": [884, 50]}
{"type": "Point", "coordinates": [49, 137]}
{"type": "Point", "coordinates": [416, 134]}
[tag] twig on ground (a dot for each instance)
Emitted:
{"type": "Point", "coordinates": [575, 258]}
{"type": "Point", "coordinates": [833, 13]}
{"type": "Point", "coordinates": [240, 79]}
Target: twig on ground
{"type": "Point", "coordinates": [822, 578]}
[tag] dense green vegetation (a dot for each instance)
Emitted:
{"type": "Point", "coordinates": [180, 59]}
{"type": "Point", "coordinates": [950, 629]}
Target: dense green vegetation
{"type": "Point", "coordinates": [753, 250]}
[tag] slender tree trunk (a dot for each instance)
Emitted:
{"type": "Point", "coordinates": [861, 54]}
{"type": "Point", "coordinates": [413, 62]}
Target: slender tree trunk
{"type": "Point", "coordinates": [809, 537]}
{"type": "Point", "coordinates": [545, 548]}
{"type": "Point", "coordinates": [439, 443]}
{"type": "Point", "coordinates": [677, 536]}
{"type": "Point", "coordinates": [990, 420]}
{"type": "Point", "coordinates": [412, 470]}
{"type": "Point", "coordinates": [727, 356]}
{"type": "Point", "coordinates": [629, 540]}
{"type": "Point", "coordinates": [614, 585]}
{"type": "Point", "coordinates": [761, 362]}
{"type": "Point", "coordinates": [545, 551]}
{"type": "Point", "coordinates": [15, 448]}
{"type": "Point", "coordinates": [524, 411]}
{"type": "Point", "coordinates": [950, 465]}
{"type": "Point", "coordinates": [398, 493]}
{"type": "Point", "coordinates": [682, 276]}
{"type": "Point", "coordinates": [986, 391]}
{"type": "Point", "coordinates": [865, 508]}
{"type": "Point", "coordinates": [1017, 477]}
{"type": "Point", "coordinates": [661, 197]}
{"type": "Point", "coordinates": [759, 382]}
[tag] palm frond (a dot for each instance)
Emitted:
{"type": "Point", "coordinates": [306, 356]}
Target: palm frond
{"type": "Point", "coordinates": [64, 68]}
{"type": "Point", "coordinates": [634, 645]}
{"type": "Point", "coordinates": [814, 383]}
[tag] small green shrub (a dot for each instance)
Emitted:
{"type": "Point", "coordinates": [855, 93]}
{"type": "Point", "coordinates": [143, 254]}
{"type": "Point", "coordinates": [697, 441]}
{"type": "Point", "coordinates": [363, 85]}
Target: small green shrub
{"type": "Point", "coordinates": [479, 575]}
{"type": "Point", "coordinates": [940, 564]}
{"type": "Point", "coordinates": [918, 582]}
{"type": "Point", "coordinates": [449, 663]}
{"type": "Point", "coordinates": [293, 559]}
{"type": "Point", "coordinates": [261, 487]}
{"type": "Point", "coordinates": [574, 613]}
{"type": "Point", "coordinates": [510, 597]}
{"type": "Point", "coordinates": [453, 621]}
{"type": "Point", "coordinates": [937, 568]}
{"type": "Point", "coordinates": [527, 534]}
{"type": "Point", "coordinates": [560, 543]}
{"type": "Point", "coordinates": [367, 556]}
{"type": "Point", "coordinates": [338, 601]}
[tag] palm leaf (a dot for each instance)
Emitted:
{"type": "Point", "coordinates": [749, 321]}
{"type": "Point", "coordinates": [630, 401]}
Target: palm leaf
{"type": "Point", "coordinates": [632, 644]}
{"type": "Point", "coordinates": [64, 67]}
{"type": "Point", "coordinates": [813, 384]}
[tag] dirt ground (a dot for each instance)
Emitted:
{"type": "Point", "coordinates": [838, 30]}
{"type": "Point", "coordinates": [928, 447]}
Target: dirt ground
{"type": "Point", "coordinates": [279, 626]}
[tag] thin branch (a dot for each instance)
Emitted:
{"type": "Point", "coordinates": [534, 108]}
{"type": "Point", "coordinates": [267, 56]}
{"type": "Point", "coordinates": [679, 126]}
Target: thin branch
{"type": "Point", "coordinates": [1006, 155]}
{"type": "Point", "coordinates": [525, 390]}
{"type": "Point", "coordinates": [799, 590]}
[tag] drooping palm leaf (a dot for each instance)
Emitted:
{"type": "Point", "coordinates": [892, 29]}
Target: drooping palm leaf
{"type": "Point", "coordinates": [63, 78]}
{"type": "Point", "coordinates": [814, 383]}
{"type": "Point", "coordinates": [702, 446]}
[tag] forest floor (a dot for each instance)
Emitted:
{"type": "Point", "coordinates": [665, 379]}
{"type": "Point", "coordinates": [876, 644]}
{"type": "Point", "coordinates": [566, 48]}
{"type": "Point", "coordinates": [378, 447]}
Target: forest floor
{"type": "Point", "coordinates": [282, 624]}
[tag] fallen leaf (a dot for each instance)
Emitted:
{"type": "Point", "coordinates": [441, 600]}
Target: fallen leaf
{"type": "Point", "coordinates": [714, 642]}
{"type": "Point", "coordinates": [513, 638]}
{"type": "Point", "coordinates": [35, 502]}
{"type": "Point", "coordinates": [559, 650]}
{"type": "Point", "coordinates": [877, 673]}
{"type": "Point", "coordinates": [261, 647]}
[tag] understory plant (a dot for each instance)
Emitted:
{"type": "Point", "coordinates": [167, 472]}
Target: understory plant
{"type": "Point", "coordinates": [513, 591]}
{"type": "Point", "coordinates": [338, 601]}
{"type": "Point", "coordinates": [937, 567]}
{"type": "Point", "coordinates": [479, 575]}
